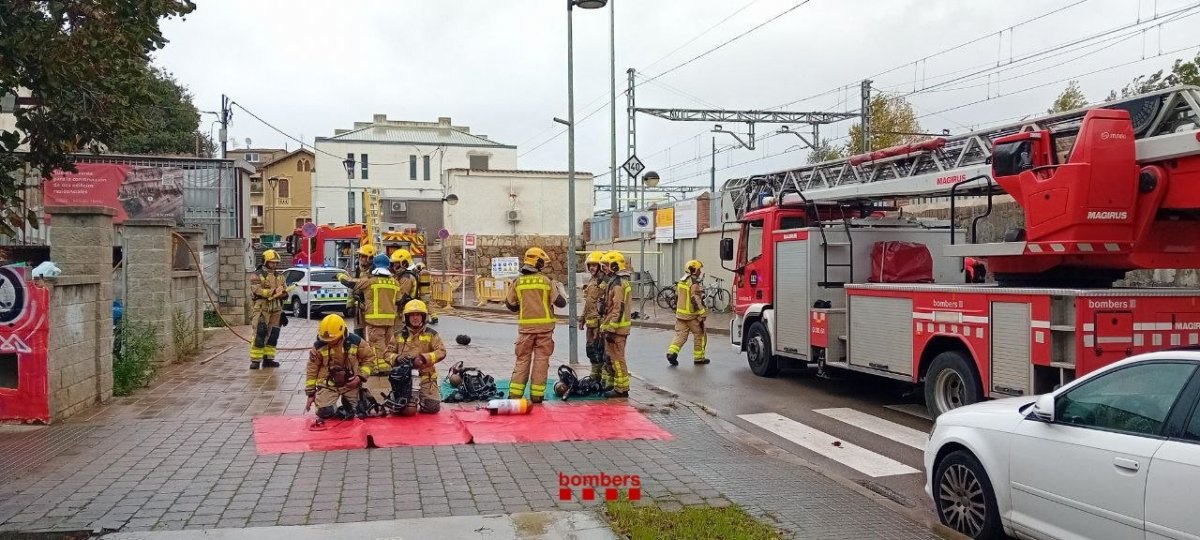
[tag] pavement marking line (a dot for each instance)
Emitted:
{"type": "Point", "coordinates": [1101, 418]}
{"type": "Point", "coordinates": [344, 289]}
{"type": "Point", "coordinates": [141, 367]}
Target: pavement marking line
{"type": "Point", "coordinates": [850, 455]}
{"type": "Point", "coordinates": [884, 428]}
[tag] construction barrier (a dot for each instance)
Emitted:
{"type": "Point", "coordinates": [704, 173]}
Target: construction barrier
{"type": "Point", "coordinates": [491, 289]}
{"type": "Point", "coordinates": [441, 292]}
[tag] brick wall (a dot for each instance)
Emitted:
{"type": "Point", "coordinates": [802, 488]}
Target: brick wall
{"type": "Point", "coordinates": [80, 335]}
{"type": "Point", "coordinates": [231, 279]}
{"type": "Point", "coordinates": [148, 262]}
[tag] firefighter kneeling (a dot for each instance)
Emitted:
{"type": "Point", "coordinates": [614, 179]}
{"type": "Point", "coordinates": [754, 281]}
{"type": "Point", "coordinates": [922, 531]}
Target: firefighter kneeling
{"type": "Point", "coordinates": [333, 366]}
{"type": "Point", "coordinates": [421, 347]}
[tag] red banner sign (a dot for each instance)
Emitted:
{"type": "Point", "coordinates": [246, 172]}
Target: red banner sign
{"type": "Point", "coordinates": [134, 192]}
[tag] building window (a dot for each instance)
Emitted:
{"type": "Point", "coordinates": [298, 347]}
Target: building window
{"type": "Point", "coordinates": [303, 165]}
{"type": "Point", "coordinates": [282, 189]}
{"type": "Point", "coordinates": [301, 221]}
{"type": "Point", "coordinates": [256, 211]}
{"type": "Point", "coordinates": [479, 163]}
{"type": "Point", "coordinates": [251, 157]}
{"type": "Point", "coordinates": [350, 156]}
{"type": "Point", "coordinates": [426, 163]}
{"type": "Point", "coordinates": [412, 167]}
{"type": "Point", "coordinates": [363, 165]}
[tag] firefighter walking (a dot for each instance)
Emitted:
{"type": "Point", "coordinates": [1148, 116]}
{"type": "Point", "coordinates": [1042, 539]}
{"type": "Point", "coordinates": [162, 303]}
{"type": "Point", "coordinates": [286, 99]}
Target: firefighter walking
{"type": "Point", "coordinates": [593, 296]}
{"type": "Point", "coordinates": [615, 325]}
{"type": "Point", "coordinates": [333, 367]}
{"type": "Point", "coordinates": [379, 293]}
{"type": "Point", "coordinates": [531, 297]}
{"type": "Point", "coordinates": [366, 253]}
{"type": "Point", "coordinates": [689, 315]}
{"type": "Point", "coordinates": [420, 344]}
{"type": "Point", "coordinates": [268, 291]}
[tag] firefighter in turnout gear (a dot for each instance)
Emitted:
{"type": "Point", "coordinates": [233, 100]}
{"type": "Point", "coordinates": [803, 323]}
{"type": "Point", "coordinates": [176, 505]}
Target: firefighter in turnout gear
{"type": "Point", "coordinates": [333, 367]}
{"type": "Point", "coordinates": [689, 315]}
{"type": "Point", "coordinates": [379, 293]}
{"type": "Point", "coordinates": [531, 297]}
{"type": "Point", "coordinates": [366, 253]}
{"type": "Point", "coordinates": [593, 294]}
{"type": "Point", "coordinates": [615, 325]}
{"type": "Point", "coordinates": [423, 346]}
{"type": "Point", "coordinates": [402, 269]}
{"type": "Point", "coordinates": [425, 290]}
{"type": "Point", "coordinates": [268, 291]}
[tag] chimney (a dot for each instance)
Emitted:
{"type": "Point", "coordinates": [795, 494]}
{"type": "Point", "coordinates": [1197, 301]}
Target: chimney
{"type": "Point", "coordinates": [379, 119]}
{"type": "Point", "coordinates": [444, 122]}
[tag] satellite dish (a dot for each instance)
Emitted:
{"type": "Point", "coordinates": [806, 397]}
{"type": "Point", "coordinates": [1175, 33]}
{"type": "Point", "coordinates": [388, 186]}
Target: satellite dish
{"type": "Point", "coordinates": [247, 142]}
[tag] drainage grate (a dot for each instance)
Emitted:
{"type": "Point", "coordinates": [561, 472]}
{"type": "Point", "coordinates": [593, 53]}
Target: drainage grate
{"type": "Point", "coordinates": [31, 446]}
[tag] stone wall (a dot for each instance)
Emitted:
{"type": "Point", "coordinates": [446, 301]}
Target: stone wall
{"type": "Point", "coordinates": [187, 297]}
{"type": "Point", "coordinates": [231, 280]}
{"type": "Point", "coordinates": [81, 332]}
{"type": "Point", "coordinates": [149, 258]}
{"type": "Point", "coordinates": [480, 261]}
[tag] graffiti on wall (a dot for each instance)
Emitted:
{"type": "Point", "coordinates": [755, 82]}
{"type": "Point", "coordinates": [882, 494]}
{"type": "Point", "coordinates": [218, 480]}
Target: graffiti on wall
{"type": "Point", "coordinates": [24, 341]}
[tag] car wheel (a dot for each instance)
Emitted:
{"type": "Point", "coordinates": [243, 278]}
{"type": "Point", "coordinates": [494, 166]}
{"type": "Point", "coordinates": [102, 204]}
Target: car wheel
{"type": "Point", "coordinates": [758, 352]}
{"type": "Point", "coordinates": [298, 309]}
{"type": "Point", "coordinates": [950, 383]}
{"type": "Point", "coordinates": [964, 497]}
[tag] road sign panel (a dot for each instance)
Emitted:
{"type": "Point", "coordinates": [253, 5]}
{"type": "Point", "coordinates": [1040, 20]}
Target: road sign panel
{"type": "Point", "coordinates": [309, 229]}
{"type": "Point", "coordinates": [633, 166]}
{"type": "Point", "coordinates": [444, 233]}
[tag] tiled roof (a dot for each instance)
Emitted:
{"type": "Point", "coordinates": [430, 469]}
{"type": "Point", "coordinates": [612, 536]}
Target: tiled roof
{"type": "Point", "coordinates": [431, 136]}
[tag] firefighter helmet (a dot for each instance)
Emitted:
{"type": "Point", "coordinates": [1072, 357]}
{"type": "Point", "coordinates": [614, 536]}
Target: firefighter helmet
{"type": "Point", "coordinates": [415, 306]}
{"type": "Point", "coordinates": [693, 266]}
{"type": "Point", "coordinates": [270, 256]}
{"type": "Point", "coordinates": [332, 328]}
{"type": "Point", "coordinates": [536, 257]}
{"type": "Point", "coordinates": [402, 257]}
{"type": "Point", "coordinates": [380, 262]}
{"type": "Point", "coordinates": [367, 250]}
{"type": "Point", "coordinates": [614, 260]}
{"type": "Point", "coordinates": [594, 258]}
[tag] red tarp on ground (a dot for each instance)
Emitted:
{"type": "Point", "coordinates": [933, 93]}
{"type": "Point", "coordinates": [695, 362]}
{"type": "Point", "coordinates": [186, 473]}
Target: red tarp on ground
{"type": "Point", "coordinates": [292, 434]}
{"type": "Point", "coordinates": [590, 422]}
{"type": "Point", "coordinates": [582, 422]}
{"type": "Point", "coordinates": [420, 430]}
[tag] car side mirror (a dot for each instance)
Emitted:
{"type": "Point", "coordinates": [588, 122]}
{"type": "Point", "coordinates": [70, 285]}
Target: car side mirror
{"type": "Point", "coordinates": [1043, 408]}
{"type": "Point", "coordinates": [726, 249]}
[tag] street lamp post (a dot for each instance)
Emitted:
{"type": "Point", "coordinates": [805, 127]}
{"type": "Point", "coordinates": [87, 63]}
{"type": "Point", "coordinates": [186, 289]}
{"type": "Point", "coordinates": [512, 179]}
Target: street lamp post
{"type": "Point", "coordinates": [274, 183]}
{"type": "Point", "coordinates": [572, 307]}
{"type": "Point", "coordinates": [348, 163]}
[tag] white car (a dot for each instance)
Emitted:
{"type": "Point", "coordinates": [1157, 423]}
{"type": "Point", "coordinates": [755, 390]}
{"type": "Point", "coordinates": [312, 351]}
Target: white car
{"type": "Point", "coordinates": [1114, 454]}
{"type": "Point", "coordinates": [315, 289]}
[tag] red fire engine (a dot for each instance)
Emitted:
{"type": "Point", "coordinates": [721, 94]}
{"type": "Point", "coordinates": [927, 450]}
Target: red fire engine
{"type": "Point", "coordinates": [337, 245]}
{"type": "Point", "coordinates": [1104, 190]}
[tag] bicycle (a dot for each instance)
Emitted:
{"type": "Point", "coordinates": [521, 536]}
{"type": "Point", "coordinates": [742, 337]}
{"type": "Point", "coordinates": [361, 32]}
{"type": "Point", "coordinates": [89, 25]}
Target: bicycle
{"type": "Point", "coordinates": [667, 298]}
{"type": "Point", "coordinates": [716, 298]}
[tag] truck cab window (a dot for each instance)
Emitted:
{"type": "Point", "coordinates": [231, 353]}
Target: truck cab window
{"type": "Point", "coordinates": [752, 237]}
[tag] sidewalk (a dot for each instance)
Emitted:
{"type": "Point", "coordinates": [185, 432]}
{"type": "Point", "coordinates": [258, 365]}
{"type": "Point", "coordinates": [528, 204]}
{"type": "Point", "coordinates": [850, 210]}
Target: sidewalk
{"type": "Point", "coordinates": [181, 455]}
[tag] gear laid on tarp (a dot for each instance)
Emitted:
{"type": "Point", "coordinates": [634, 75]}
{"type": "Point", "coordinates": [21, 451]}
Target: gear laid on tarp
{"type": "Point", "coordinates": [571, 385]}
{"type": "Point", "coordinates": [401, 379]}
{"type": "Point", "coordinates": [464, 384]}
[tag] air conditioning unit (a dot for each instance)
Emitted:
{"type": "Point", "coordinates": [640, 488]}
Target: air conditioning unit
{"type": "Point", "coordinates": [399, 206]}
{"type": "Point", "coordinates": [513, 216]}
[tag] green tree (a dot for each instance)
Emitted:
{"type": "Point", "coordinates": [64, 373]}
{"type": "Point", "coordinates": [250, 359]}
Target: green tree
{"type": "Point", "coordinates": [1182, 72]}
{"type": "Point", "coordinates": [893, 122]}
{"type": "Point", "coordinates": [83, 64]}
{"type": "Point", "coordinates": [1070, 99]}
{"type": "Point", "coordinates": [826, 151]}
{"type": "Point", "coordinates": [164, 124]}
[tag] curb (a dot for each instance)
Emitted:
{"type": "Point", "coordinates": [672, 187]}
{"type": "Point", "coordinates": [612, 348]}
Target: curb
{"type": "Point", "coordinates": [719, 330]}
{"type": "Point", "coordinates": [736, 434]}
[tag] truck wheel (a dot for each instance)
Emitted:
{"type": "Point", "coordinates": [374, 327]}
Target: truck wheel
{"type": "Point", "coordinates": [758, 352]}
{"type": "Point", "coordinates": [950, 383]}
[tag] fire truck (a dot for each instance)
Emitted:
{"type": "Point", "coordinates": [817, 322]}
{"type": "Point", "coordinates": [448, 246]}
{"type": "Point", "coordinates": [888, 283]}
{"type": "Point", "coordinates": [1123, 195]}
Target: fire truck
{"type": "Point", "coordinates": [829, 272]}
{"type": "Point", "coordinates": [337, 245]}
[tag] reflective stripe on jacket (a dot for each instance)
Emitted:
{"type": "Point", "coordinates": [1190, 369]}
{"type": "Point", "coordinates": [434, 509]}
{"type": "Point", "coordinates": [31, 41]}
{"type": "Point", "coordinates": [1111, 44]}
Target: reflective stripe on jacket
{"type": "Point", "coordinates": [532, 295]}
{"type": "Point", "coordinates": [689, 303]}
{"type": "Point", "coordinates": [380, 294]}
{"type": "Point", "coordinates": [619, 306]}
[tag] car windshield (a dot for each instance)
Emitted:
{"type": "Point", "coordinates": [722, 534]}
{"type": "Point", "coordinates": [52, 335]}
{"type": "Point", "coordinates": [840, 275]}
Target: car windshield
{"type": "Point", "coordinates": [325, 275]}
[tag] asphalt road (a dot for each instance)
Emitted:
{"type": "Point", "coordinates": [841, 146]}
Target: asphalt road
{"type": "Point", "coordinates": [727, 386]}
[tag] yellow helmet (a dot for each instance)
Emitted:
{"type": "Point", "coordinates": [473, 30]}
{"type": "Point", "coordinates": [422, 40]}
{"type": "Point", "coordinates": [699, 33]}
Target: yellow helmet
{"type": "Point", "coordinates": [367, 250]}
{"type": "Point", "coordinates": [402, 257]}
{"type": "Point", "coordinates": [270, 256]}
{"type": "Point", "coordinates": [693, 266]}
{"type": "Point", "coordinates": [594, 257]}
{"type": "Point", "coordinates": [332, 328]}
{"type": "Point", "coordinates": [614, 260]}
{"type": "Point", "coordinates": [536, 257]}
{"type": "Point", "coordinates": [415, 306]}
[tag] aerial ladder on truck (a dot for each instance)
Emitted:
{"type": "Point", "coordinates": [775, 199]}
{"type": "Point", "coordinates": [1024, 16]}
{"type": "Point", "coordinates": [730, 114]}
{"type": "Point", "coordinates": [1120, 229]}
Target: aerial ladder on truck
{"type": "Point", "coordinates": [1103, 190]}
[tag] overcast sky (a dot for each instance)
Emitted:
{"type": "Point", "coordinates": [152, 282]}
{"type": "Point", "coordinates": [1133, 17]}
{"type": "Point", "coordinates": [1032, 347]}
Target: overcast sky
{"type": "Point", "coordinates": [309, 67]}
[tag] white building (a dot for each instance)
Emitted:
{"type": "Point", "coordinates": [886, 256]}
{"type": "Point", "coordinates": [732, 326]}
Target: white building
{"type": "Point", "coordinates": [505, 202]}
{"type": "Point", "coordinates": [406, 161]}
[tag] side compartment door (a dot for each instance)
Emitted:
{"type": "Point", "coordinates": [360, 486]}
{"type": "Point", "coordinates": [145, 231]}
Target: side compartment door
{"type": "Point", "coordinates": [881, 333]}
{"type": "Point", "coordinates": [1010, 359]}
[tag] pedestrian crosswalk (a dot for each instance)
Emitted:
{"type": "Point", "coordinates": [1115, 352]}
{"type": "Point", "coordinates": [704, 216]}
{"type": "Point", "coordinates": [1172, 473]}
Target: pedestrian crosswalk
{"type": "Point", "coordinates": [863, 460]}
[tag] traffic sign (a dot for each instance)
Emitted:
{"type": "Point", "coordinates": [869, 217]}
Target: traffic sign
{"type": "Point", "coordinates": [643, 222]}
{"type": "Point", "coordinates": [633, 166]}
{"type": "Point", "coordinates": [469, 241]}
{"type": "Point", "coordinates": [444, 233]}
{"type": "Point", "coordinates": [309, 230]}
